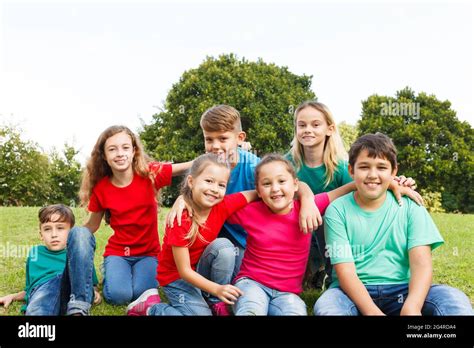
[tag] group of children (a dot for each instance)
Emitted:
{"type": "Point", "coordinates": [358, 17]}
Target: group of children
{"type": "Point", "coordinates": [243, 232]}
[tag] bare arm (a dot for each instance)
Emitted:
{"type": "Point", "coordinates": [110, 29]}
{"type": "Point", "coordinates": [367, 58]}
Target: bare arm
{"type": "Point", "coordinates": [180, 168]}
{"type": "Point", "coordinates": [353, 287]}
{"type": "Point", "coordinates": [421, 270]}
{"type": "Point", "coordinates": [341, 191]}
{"type": "Point", "coordinates": [93, 222]}
{"type": "Point", "coordinates": [226, 293]}
{"type": "Point", "coordinates": [310, 217]}
{"type": "Point", "coordinates": [8, 299]}
{"type": "Point", "coordinates": [250, 195]}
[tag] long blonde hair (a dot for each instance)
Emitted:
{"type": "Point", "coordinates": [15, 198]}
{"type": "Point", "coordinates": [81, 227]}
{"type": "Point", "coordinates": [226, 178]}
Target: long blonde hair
{"type": "Point", "coordinates": [333, 147]}
{"type": "Point", "coordinates": [98, 168]}
{"type": "Point", "coordinates": [199, 165]}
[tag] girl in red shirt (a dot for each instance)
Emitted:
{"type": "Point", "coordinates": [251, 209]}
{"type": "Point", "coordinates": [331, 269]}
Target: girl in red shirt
{"type": "Point", "coordinates": [121, 182]}
{"type": "Point", "coordinates": [181, 270]}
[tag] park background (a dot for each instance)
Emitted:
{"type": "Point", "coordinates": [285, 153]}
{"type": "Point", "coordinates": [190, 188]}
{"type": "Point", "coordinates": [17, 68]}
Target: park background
{"type": "Point", "coordinates": [71, 69]}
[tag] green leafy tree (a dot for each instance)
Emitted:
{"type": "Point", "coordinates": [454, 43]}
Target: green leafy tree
{"type": "Point", "coordinates": [265, 94]}
{"type": "Point", "coordinates": [434, 146]}
{"type": "Point", "coordinates": [65, 176]}
{"type": "Point", "coordinates": [24, 170]}
{"type": "Point", "coordinates": [348, 133]}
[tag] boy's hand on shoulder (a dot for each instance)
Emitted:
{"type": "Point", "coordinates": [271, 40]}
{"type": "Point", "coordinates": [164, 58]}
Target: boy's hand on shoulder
{"type": "Point", "coordinates": [400, 190]}
{"type": "Point", "coordinates": [412, 194]}
{"type": "Point", "coordinates": [246, 146]}
{"type": "Point", "coordinates": [176, 211]}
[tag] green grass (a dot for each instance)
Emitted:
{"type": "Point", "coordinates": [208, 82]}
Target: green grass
{"type": "Point", "coordinates": [453, 262]}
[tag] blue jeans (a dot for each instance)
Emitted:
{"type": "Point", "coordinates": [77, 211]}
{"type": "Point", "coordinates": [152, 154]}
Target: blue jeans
{"type": "Point", "coordinates": [45, 299]}
{"type": "Point", "coordinates": [217, 263]}
{"type": "Point", "coordinates": [126, 278]}
{"type": "Point", "coordinates": [259, 299]}
{"type": "Point", "coordinates": [441, 300]}
{"type": "Point", "coordinates": [77, 290]}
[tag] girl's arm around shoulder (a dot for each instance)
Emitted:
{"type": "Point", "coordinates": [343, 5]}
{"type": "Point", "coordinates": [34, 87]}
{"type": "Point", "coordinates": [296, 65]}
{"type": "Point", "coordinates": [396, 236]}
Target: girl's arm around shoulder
{"type": "Point", "coordinates": [341, 191]}
{"type": "Point", "coordinates": [181, 168]}
{"type": "Point", "coordinates": [250, 195]}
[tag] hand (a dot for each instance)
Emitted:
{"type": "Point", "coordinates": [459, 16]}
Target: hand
{"type": "Point", "coordinates": [97, 296]}
{"type": "Point", "coordinates": [228, 293]}
{"type": "Point", "coordinates": [7, 300]}
{"type": "Point", "coordinates": [408, 309]}
{"type": "Point", "coordinates": [404, 181]}
{"type": "Point", "coordinates": [176, 211]}
{"type": "Point", "coordinates": [310, 217]}
{"type": "Point", "coordinates": [246, 146]}
{"type": "Point", "coordinates": [412, 194]}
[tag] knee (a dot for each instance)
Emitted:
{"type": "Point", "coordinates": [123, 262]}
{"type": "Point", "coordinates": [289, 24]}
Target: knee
{"type": "Point", "coordinates": [117, 295]}
{"type": "Point", "coordinates": [223, 249]}
{"type": "Point", "coordinates": [80, 238]}
{"type": "Point", "coordinates": [334, 302]}
{"type": "Point", "coordinates": [449, 300]}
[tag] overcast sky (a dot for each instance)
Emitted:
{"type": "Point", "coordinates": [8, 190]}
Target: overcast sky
{"type": "Point", "coordinates": [70, 69]}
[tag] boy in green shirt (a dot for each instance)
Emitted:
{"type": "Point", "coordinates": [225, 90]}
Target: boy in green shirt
{"type": "Point", "coordinates": [380, 250]}
{"type": "Point", "coordinates": [45, 265]}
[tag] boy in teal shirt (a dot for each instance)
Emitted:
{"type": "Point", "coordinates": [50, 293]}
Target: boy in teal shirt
{"type": "Point", "coordinates": [45, 265]}
{"type": "Point", "coordinates": [380, 250]}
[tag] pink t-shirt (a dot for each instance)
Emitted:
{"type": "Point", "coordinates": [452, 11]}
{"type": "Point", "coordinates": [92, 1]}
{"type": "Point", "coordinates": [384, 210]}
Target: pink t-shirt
{"type": "Point", "coordinates": [277, 251]}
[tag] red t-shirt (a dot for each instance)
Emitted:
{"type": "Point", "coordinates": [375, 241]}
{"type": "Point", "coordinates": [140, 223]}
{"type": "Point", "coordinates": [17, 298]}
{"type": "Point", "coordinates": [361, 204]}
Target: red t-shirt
{"type": "Point", "coordinates": [167, 272]}
{"type": "Point", "coordinates": [134, 212]}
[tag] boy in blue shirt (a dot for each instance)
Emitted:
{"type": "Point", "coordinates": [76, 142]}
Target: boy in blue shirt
{"type": "Point", "coordinates": [381, 251]}
{"type": "Point", "coordinates": [48, 285]}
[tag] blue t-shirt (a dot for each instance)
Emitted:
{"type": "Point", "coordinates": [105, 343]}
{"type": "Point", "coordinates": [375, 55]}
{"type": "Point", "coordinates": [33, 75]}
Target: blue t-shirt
{"type": "Point", "coordinates": [242, 178]}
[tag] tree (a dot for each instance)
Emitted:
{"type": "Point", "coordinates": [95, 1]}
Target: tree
{"type": "Point", "coordinates": [348, 134]}
{"type": "Point", "coordinates": [65, 176]}
{"type": "Point", "coordinates": [24, 170]}
{"type": "Point", "coordinates": [266, 96]}
{"type": "Point", "coordinates": [434, 146]}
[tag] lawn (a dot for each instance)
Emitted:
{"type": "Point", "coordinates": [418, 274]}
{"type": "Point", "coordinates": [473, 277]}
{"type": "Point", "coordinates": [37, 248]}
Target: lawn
{"type": "Point", "coordinates": [453, 262]}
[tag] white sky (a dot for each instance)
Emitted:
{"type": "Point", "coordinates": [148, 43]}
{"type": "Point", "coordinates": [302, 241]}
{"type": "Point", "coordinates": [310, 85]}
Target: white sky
{"type": "Point", "coordinates": [70, 69]}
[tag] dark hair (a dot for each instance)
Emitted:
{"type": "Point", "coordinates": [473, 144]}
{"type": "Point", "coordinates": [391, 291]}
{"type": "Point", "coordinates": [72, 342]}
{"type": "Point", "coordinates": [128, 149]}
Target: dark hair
{"type": "Point", "coordinates": [274, 157]}
{"type": "Point", "coordinates": [65, 214]}
{"type": "Point", "coordinates": [377, 145]}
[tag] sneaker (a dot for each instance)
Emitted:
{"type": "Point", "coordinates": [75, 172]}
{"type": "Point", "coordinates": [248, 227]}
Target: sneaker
{"type": "Point", "coordinates": [141, 304]}
{"type": "Point", "coordinates": [220, 309]}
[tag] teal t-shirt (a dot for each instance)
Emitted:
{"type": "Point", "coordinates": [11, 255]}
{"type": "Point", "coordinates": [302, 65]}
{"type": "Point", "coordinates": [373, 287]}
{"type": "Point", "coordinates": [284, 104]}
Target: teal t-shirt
{"type": "Point", "coordinates": [377, 241]}
{"type": "Point", "coordinates": [42, 265]}
{"type": "Point", "coordinates": [316, 177]}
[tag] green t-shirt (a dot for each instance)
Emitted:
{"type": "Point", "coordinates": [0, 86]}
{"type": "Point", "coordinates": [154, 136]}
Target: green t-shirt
{"type": "Point", "coordinates": [316, 177]}
{"type": "Point", "coordinates": [377, 242]}
{"type": "Point", "coordinates": [42, 265]}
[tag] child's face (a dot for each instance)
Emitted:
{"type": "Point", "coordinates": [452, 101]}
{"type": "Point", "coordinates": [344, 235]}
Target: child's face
{"type": "Point", "coordinates": [54, 234]}
{"type": "Point", "coordinates": [276, 187]}
{"type": "Point", "coordinates": [311, 127]}
{"type": "Point", "coordinates": [372, 176]}
{"type": "Point", "coordinates": [209, 187]}
{"type": "Point", "coordinates": [224, 143]}
{"type": "Point", "coordinates": [119, 152]}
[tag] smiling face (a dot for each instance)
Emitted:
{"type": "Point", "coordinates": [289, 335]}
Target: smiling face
{"type": "Point", "coordinates": [224, 144]}
{"type": "Point", "coordinates": [208, 188]}
{"type": "Point", "coordinates": [276, 187]}
{"type": "Point", "coordinates": [54, 233]}
{"type": "Point", "coordinates": [372, 177]}
{"type": "Point", "coordinates": [119, 152]}
{"type": "Point", "coordinates": [312, 127]}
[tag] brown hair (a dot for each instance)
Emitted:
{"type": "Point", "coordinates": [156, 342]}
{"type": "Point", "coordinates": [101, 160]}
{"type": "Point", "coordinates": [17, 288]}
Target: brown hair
{"type": "Point", "coordinates": [333, 147]}
{"type": "Point", "coordinates": [377, 145]}
{"type": "Point", "coordinates": [221, 118]}
{"type": "Point", "coordinates": [198, 166]}
{"type": "Point", "coordinates": [97, 167]}
{"type": "Point", "coordinates": [274, 157]}
{"type": "Point", "coordinates": [65, 214]}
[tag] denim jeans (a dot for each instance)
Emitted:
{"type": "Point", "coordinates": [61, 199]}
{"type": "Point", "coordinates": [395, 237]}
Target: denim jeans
{"type": "Point", "coordinates": [126, 278]}
{"type": "Point", "coordinates": [259, 299]}
{"type": "Point", "coordinates": [441, 300]}
{"type": "Point", "coordinates": [220, 263]}
{"type": "Point", "coordinates": [77, 290]}
{"type": "Point", "coordinates": [217, 263]}
{"type": "Point", "coordinates": [45, 299]}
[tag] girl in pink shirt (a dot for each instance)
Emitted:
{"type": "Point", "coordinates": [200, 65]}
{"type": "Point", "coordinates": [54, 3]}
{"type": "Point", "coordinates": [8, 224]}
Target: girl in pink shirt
{"type": "Point", "coordinates": [277, 251]}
